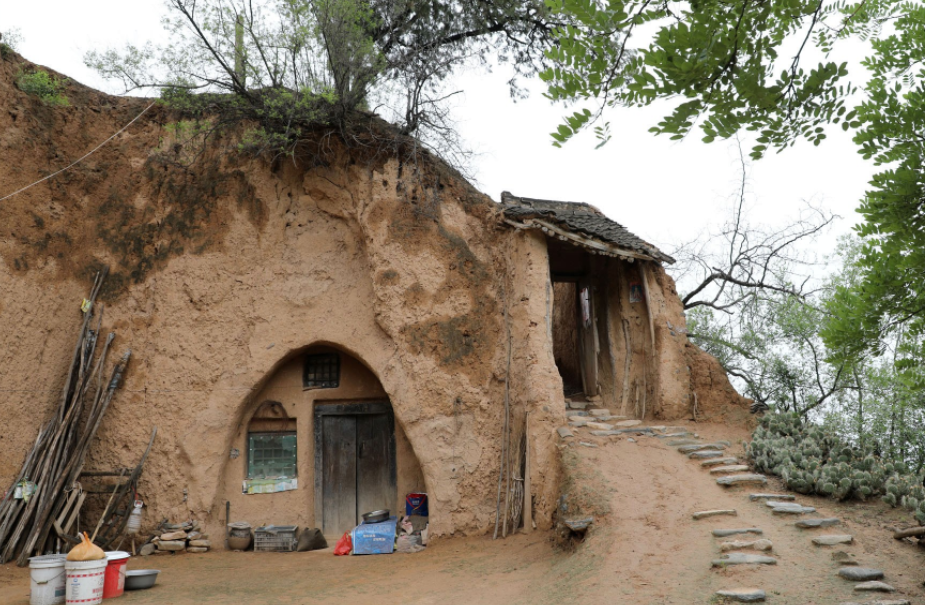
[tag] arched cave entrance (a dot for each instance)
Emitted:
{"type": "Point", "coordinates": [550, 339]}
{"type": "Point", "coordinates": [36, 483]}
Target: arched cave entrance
{"type": "Point", "coordinates": [318, 446]}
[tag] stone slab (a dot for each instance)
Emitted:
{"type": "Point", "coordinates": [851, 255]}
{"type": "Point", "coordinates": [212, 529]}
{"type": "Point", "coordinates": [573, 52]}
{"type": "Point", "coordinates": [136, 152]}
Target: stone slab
{"type": "Point", "coordinates": [832, 540]}
{"type": "Point", "coordinates": [673, 435]}
{"type": "Point", "coordinates": [719, 461]}
{"type": "Point", "coordinates": [725, 533]}
{"type": "Point", "coordinates": [174, 535]}
{"type": "Point", "coordinates": [600, 412]}
{"type": "Point", "coordinates": [860, 574]}
{"type": "Point", "coordinates": [713, 513]}
{"type": "Point", "coordinates": [586, 444]}
{"type": "Point", "coordinates": [678, 442]}
{"type": "Point", "coordinates": [687, 449]}
{"type": "Point", "coordinates": [146, 550]}
{"type": "Point", "coordinates": [737, 558]}
{"type": "Point", "coordinates": [195, 549]}
{"type": "Point", "coordinates": [200, 543]}
{"type": "Point", "coordinates": [762, 544]}
{"type": "Point", "coordinates": [599, 426]}
{"type": "Point", "coordinates": [743, 595]}
{"type": "Point", "coordinates": [815, 523]}
{"type": "Point", "coordinates": [792, 510]}
{"type": "Point", "coordinates": [565, 432]}
{"type": "Point", "coordinates": [704, 454]}
{"type": "Point", "coordinates": [778, 497]}
{"type": "Point", "coordinates": [730, 468]}
{"type": "Point", "coordinates": [746, 479]}
{"type": "Point", "coordinates": [874, 587]}
{"type": "Point", "coordinates": [171, 545]}
{"type": "Point", "coordinates": [626, 423]}
{"type": "Point", "coordinates": [577, 425]}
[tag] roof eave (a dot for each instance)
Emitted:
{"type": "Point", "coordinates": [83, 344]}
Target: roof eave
{"type": "Point", "coordinates": [593, 244]}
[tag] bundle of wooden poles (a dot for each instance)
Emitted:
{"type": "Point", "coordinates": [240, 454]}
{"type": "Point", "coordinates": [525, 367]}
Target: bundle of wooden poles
{"type": "Point", "coordinates": [56, 460]}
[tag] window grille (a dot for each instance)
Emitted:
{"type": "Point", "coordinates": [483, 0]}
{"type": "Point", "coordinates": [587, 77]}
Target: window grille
{"type": "Point", "coordinates": [271, 455]}
{"type": "Point", "coordinates": [321, 371]}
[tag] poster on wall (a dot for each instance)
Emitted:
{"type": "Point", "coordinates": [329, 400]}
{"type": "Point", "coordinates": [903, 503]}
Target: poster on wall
{"type": "Point", "coordinates": [269, 486]}
{"type": "Point", "coordinates": [635, 292]}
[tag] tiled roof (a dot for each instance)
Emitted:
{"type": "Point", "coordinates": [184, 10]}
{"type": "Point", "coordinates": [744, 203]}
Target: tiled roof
{"type": "Point", "coordinates": [579, 218]}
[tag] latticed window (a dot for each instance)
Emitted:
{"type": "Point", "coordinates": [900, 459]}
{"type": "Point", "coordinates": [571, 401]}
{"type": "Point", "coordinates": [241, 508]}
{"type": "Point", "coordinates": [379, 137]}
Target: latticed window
{"type": "Point", "coordinates": [271, 455]}
{"type": "Point", "coordinates": [322, 371]}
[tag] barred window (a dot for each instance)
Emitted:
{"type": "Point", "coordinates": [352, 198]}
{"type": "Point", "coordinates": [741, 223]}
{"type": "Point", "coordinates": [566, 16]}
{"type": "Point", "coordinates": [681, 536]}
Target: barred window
{"type": "Point", "coordinates": [322, 371]}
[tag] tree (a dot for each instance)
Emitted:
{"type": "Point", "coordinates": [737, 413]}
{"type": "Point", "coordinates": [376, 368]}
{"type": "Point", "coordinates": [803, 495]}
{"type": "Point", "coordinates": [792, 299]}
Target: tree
{"type": "Point", "coordinates": [289, 64]}
{"type": "Point", "coordinates": [739, 64]}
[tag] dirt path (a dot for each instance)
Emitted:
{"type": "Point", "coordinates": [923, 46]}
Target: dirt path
{"type": "Point", "coordinates": [647, 551]}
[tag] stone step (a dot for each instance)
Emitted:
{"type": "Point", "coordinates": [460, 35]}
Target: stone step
{"type": "Point", "coordinates": [564, 432]}
{"type": "Point", "coordinates": [747, 479]}
{"type": "Point", "coordinates": [712, 513]}
{"type": "Point", "coordinates": [762, 544]}
{"type": "Point", "coordinates": [628, 423]}
{"type": "Point", "coordinates": [678, 442]}
{"type": "Point", "coordinates": [733, 468]}
{"type": "Point", "coordinates": [743, 595]}
{"type": "Point", "coordinates": [670, 435]}
{"type": "Point", "coordinates": [600, 412]}
{"type": "Point", "coordinates": [860, 574]}
{"type": "Point", "coordinates": [815, 523]}
{"type": "Point", "coordinates": [789, 508]}
{"type": "Point", "coordinates": [777, 497]}
{"type": "Point", "coordinates": [874, 587]}
{"type": "Point", "coordinates": [833, 539]}
{"type": "Point", "coordinates": [687, 449]}
{"type": "Point", "coordinates": [599, 426]}
{"type": "Point", "coordinates": [737, 558]}
{"type": "Point", "coordinates": [719, 461]}
{"type": "Point", "coordinates": [725, 533]}
{"type": "Point", "coordinates": [704, 454]}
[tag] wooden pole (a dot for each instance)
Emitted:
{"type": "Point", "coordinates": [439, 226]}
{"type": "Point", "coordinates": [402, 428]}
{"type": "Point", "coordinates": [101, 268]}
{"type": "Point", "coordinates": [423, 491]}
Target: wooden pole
{"type": "Point", "coordinates": [528, 495]}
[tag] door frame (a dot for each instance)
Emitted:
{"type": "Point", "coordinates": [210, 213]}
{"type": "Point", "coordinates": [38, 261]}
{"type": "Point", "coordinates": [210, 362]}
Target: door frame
{"type": "Point", "coordinates": [347, 409]}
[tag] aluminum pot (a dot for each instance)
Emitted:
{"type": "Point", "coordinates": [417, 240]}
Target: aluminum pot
{"type": "Point", "coordinates": [377, 516]}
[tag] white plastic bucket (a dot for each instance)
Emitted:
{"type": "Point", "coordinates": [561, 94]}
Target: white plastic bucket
{"type": "Point", "coordinates": [85, 581]}
{"type": "Point", "coordinates": [47, 585]}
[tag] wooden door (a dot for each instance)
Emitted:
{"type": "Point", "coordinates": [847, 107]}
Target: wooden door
{"type": "Point", "coordinates": [354, 464]}
{"type": "Point", "coordinates": [375, 491]}
{"type": "Point", "coordinates": [587, 337]}
{"type": "Point", "coordinates": [339, 480]}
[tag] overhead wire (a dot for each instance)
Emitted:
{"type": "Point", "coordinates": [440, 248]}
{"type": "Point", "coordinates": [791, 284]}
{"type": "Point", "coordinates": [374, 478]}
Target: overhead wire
{"type": "Point", "coordinates": [82, 158]}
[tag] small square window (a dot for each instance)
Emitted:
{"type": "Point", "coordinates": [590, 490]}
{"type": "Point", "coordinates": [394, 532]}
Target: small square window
{"type": "Point", "coordinates": [271, 455]}
{"type": "Point", "coordinates": [322, 371]}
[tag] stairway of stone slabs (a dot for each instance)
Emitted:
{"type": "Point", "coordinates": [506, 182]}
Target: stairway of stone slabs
{"type": "Point", "coordinates": [730, 471]}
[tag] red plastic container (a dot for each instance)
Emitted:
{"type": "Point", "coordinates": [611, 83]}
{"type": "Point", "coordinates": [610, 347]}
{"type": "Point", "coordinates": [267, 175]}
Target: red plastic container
{"type": "Point", "coordinates": [114, 584]}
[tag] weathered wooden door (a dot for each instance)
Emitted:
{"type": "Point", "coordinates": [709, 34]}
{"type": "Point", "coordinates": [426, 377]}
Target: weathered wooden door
{"type": "Point", "coordinates": [587, 337]}
{"type": "Point", "coordinates": [354, 465]}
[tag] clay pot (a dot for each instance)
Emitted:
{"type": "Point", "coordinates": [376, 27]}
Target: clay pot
{"type": "Point", "coordinates": [239, 542]}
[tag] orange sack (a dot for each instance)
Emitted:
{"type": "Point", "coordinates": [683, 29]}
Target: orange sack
{"type": "Point", "coordinates": [86, 551]}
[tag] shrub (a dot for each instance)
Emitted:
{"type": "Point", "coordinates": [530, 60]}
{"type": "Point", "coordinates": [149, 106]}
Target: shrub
{"type": "Point", "coordinates": [43, 85]}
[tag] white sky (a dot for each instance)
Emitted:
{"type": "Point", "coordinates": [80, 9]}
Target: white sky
{"type": "Point", "coordinates": [664, 191]}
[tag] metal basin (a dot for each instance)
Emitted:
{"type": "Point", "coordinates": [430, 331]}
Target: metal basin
{"type": "Point", "coordinates": [377, 516]}
{"type": "Point", "coordinates": [140, 578]}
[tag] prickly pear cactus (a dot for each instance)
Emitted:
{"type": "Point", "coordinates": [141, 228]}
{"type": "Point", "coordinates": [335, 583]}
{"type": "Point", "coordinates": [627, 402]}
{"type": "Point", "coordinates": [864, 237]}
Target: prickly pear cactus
{"type": "Point", "coordinates": [813, 461]}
